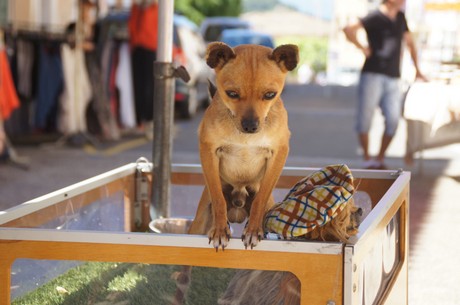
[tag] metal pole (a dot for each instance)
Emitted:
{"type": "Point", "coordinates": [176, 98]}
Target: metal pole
{"type": "Point", "coordinates": [163, 112]}
{"type": "Point", "coordinates": [165, 30]}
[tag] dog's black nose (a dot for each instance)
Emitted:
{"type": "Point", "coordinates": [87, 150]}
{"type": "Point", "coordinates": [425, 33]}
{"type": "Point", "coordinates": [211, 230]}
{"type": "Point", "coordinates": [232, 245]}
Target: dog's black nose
{"type": "Point", "coordinates": [250, 125]}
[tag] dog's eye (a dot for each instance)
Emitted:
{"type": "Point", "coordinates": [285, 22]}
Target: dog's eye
{"type": "Point", "coordinates": [269, 96]}
{"type": "Point", "coordinates": [232, 94]}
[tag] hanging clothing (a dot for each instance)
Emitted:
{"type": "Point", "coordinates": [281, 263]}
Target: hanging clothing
{"type": "Point", "coordinates": [25, 63]}
{"type": "Point", "coordinates": [142, 66]}
{"type": "Point", "coordinates": [50, 83]}
{"type": "Point", "coordinates": [125, 86]}
{"type": "Point", "coordinates": [105, 116]}
{"type": "Point", "coordinates": [8, 97]}
{"type": "Point", "coordinates": [77, 92]}
{"type": "Point", "coordinates": [100, 105]}
{"type": "Point", "coordinates": [143, 26]}
{"type": "Point", "coordinates": [143, 39]}
{"type": "Point", "coordinates": [113, 91]}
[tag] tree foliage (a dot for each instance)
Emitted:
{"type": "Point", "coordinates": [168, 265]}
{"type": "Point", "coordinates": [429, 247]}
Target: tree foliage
{"type": "Point", "coordinates": [197, 10]}
{"type": "Point", "coordinates": [312, 50]}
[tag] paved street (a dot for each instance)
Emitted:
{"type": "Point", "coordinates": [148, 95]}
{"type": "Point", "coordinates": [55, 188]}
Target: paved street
{"type": "Point", "coordinates": [321, 121]}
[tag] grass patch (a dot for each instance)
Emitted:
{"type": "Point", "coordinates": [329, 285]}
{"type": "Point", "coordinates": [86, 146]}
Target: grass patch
{"type": "Point", "coordinates": [126, 282]}
{"type": "Point", "coordinates": [120, 283]}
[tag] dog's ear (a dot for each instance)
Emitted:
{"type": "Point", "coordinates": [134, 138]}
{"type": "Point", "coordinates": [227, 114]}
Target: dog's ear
{"type": "Point", "coordinates": [218, 54]}
{"type": "Point", "coordinates": [287, 56]}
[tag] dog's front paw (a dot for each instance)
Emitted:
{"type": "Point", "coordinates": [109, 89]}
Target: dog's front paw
{"type": "Point", "coordinates": [219, 237]}
{"type": "Point", "coordinates": [252, 236]}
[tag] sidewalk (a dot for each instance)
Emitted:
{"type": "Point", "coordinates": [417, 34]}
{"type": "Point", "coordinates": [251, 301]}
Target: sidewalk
{"type": "Point", "coordinates": [434, 266]}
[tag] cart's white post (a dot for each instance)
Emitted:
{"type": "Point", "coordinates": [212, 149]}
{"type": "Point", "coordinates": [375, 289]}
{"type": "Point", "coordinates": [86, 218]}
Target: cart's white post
{"type": "Point", "coordinates": [349, 267]}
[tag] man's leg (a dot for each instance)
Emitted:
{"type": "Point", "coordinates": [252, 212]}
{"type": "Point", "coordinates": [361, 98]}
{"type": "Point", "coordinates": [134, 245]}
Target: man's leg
{"type": "Point", "coordinates": [364, 142]}
{"type": "Point", "coordinates": [369, 93]}
{"type": "Point", "coordinates": [391, 106]}
{"type": "Point", "coordinates": [386, 140]}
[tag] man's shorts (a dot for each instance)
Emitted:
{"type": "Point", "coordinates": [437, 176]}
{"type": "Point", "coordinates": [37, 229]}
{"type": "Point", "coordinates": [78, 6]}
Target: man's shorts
{"type": "Point", "coordinates": [374, 90]}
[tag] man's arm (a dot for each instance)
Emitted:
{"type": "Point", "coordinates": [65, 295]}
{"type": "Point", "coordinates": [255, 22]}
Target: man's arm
{"type": "Point", "coordinates": [413, 54]}
{"type": "Point", "coordinates": [351, 34]}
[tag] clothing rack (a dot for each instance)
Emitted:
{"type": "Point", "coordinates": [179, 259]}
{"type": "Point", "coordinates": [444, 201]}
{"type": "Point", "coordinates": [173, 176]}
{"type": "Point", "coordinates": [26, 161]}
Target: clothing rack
{"type": "Point", "coordinates": [39, 33]}
{"type": "Point", "coordinates": [32, 32]}
{"type": "Point", "coordinates": [110, 39]}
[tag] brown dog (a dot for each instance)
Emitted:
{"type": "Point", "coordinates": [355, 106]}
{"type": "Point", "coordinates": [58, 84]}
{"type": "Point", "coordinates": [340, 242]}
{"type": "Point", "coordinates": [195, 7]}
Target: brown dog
{"type": "Point", "coordinates": [243, 139]}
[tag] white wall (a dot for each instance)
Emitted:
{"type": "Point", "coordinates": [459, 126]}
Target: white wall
{"type": "Point", "coordinates": [35, 14]}
{"type": "Point", "coordinates": [344, 59]}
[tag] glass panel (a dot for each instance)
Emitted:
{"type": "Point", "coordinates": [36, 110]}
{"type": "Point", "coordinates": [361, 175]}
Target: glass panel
{"type": "Point", "coordinates": [110, 207]}
{"type": "Point", "coordinates": [381, 263]}
{"type": "Point", "coordinates": [78, 213]}
{"type": "Point", "coordinates": [80, 208]}
{"type": "Point", "coordinates": [28, 274]}
{"type": "Point", "coordinates": [363, 200]}
{"type": "Point", "coordinates": [124, 283]}
{"type": "Point", "coordinates": [105, 214]}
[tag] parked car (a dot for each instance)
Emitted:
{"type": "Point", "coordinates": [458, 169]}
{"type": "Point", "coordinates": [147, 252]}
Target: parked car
{"type": "Point", "coordinates": [236, 37]}
{"type": "Point", "coordinates": [211, 28]}
{"type": "Point", "coordinates": [189, 51]}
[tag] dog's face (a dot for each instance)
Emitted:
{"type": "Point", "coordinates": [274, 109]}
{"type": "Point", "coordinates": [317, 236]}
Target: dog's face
{"type": "Point", "coordinates": [250, 79]}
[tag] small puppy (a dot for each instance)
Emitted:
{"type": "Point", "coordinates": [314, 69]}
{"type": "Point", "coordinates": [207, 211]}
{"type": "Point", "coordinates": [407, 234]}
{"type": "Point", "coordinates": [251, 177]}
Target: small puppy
{"type": "Point", "coordinates": [243, 139]}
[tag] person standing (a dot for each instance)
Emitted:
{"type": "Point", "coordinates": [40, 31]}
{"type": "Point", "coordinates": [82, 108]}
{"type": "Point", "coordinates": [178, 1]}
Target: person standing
{"type": "Point", "coordinates": [143, 38]}
{"type": "Point", "coordinates": [379, 83]}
